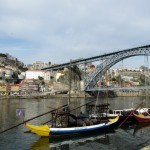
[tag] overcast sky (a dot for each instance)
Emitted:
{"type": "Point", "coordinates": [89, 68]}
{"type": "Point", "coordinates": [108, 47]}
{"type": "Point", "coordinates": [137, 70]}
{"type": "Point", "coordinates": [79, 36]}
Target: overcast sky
{"type": "Point", "coordinates": [60, 30]}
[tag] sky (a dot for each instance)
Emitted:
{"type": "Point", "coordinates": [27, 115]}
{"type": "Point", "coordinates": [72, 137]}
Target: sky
{"type": "Point", "coordinates": [60, 30]}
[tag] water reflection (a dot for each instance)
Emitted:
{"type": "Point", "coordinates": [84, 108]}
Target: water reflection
{"type": "Point", "coordinates": [73, 142]}
{"type": "Point", "coordinates": [7, 111]}
{"type": "Point", "coordinates": [142, 128]}
{"type": "Point", "coordinates": [41, 144]}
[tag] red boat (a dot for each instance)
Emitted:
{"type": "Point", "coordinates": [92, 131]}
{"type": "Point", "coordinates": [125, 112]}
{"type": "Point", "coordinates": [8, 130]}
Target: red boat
{"type": "Point", "coordinates": [141, 118]}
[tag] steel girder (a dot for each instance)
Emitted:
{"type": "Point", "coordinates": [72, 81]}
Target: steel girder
{"type": "Point", "coordinates": [91, 59]}
{"type": "Point", "coordinates": [111, 60]}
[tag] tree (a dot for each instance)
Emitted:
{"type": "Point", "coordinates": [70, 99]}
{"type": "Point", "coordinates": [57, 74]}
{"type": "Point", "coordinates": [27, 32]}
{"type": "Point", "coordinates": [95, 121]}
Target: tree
{"type": "Point", "coordinates": [113, 79]}
{"type": "Point", "coordinates": [142, 79]}
{"type": "Point", "coordinates": [119, 79]}
{"type": "Point", "coordinates": [15, 75]}
{"type": "Point", "coordinates": [41, 80]}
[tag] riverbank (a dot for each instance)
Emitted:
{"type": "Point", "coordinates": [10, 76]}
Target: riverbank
{"type": "Point", "coordinates": [132, 93]}
{"type": "Point", "coordinates": [46, 96]}
{"type": "Point", "coordinates": [75, 95]}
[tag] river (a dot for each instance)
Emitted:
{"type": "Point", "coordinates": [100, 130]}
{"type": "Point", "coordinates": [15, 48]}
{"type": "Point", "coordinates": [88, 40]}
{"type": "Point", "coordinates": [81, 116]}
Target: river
{"type": "Point", "coordinates": [16, 139]}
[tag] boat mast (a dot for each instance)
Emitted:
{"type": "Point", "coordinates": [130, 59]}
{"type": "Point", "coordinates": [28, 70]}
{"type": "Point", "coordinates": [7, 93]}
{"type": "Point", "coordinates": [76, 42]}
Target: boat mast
{"type": "Point", "coordinates": [146, 76]}
{"type": "Point", "coordinates": [70, 74]}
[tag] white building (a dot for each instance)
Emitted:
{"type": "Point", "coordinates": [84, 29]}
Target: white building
{"type": "Point", "coordinates": [58, 74]}
{"type": "Point", "coordinates": [6, 72]}
{"type": "Point", "coordinates": [35, 74]}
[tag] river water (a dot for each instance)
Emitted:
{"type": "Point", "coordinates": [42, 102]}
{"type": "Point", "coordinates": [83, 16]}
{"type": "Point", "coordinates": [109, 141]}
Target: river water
{"type": "Point", "coordinates": [125, 138]}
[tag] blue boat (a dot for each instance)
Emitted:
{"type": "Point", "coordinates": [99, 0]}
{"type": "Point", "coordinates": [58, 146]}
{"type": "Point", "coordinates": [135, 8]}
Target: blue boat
{"type": "Point", "coordinates": [45, 130]}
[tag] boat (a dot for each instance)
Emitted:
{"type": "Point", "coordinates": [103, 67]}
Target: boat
{"type": "Point", "coordinates": [66, 123]}
{"type": "Point", "coordinates": [142, 118]}
{"type": "Point", "coordinates": [123, 113]}
{"type": "Point", "coordinates": [45, 130]}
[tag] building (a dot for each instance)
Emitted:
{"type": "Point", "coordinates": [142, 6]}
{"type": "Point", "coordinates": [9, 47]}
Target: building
{"type": "Point", "coordinates": [58, 75]}
{"type": "Point", "coordinates": [38, 65]}
{"type": "Point", "coordinates": [35, 74]}
{"type": "Point", "coordinates": [29, 86]}
{"type": "Point", "coordinates": [9, 89]}
{"type": "Point", "coordinates": [6, 73]}
{"type": "Point", "coordinates": [126, 76]}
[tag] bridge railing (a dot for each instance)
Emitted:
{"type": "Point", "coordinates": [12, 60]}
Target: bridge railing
{"type": "Point", "coordinates": [119, 88]}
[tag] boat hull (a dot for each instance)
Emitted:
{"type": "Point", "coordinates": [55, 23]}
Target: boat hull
{"type": "Point", "coordinates": [80, 130]}
{"type": "Point", "coordinates": [141, 118]}
{"type": "Point", "coordinates": [48, 131]}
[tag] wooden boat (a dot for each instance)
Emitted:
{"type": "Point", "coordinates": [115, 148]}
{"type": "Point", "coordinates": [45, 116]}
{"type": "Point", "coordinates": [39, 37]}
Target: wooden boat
{"type": "Point", "coordinates": [123, 113]}
{"type": "Point", "coordinates": [45, 130]}
{"type": "Point", "coordinates": [61, 124]}
{"type": "Point", "coordinates": [109, 113]}
{"type": "Point", "coordinates": [142, 118]}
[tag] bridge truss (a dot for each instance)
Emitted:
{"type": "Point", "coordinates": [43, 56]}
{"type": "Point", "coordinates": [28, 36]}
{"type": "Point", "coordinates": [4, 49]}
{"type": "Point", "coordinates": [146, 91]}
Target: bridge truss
{"type": "Point", "coordinates": [93, 78]}
{"type": "Point", "coordinates": [108, 60]}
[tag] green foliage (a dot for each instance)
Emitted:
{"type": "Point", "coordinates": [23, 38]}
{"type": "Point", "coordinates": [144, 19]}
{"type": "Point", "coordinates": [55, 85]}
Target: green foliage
{"type": "Point", "coordinates": [142, 79]}
{"type": "Point", "coordinates": [40, 78]}
{"type": "Point", "coordinates": [113, 79]}
{"type": "Point", "coordinates": [15, 75]}
{"type": "Point", "coordinates": [22, 68]}
{"type": "Point", "coordinates": [118, 79]}
{"type": "Point", "coordinates": [7, 80]}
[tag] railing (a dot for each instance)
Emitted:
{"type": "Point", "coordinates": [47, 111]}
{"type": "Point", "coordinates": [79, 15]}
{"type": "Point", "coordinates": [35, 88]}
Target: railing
{"type": "Point", "coordinates": [118, 88]}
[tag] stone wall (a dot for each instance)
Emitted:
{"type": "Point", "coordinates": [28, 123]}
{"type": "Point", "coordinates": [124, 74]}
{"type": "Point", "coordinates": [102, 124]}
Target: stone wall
{"type": "Point", "coordinates": [132, 93]}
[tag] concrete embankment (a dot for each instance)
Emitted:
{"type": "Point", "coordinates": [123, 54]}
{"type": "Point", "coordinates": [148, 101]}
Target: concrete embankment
{"type": "Point", "coordinates": [46, 96]}
{"type": "Point", "coordinates": [78, 95]}
{"type": "Point", "coordinates": [132, 93]}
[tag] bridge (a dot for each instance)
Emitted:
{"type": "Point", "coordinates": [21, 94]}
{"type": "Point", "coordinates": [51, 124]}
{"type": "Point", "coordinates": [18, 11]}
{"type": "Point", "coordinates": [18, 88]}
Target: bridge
{"type": "Point", "coordinates": [120, 88]}
{"type": "Point", "coordinates": [107, 61]}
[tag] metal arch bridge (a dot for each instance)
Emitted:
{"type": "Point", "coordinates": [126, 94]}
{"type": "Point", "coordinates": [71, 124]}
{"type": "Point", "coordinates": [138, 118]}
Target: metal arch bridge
{"type": "Point", "coordinates": [108, 60]}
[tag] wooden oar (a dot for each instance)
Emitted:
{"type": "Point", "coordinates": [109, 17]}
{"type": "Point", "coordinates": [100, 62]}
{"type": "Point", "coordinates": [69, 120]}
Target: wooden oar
{"type": "Point", "coordinates": [29, 131]}
{"type": "Point", "coordinates": [51, 119]}
{"type": "Point", "coordinates": [31, 119]}
{"type": "Point", "coordinates": [131, 114]}
{"type": "Point", "coordinates": [42, 115]}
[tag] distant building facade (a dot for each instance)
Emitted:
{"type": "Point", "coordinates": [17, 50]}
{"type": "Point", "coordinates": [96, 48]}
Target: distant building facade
{"type": "Point", "coordinates": [128, 75]}
{"type": "Point", "coordinates": [38, 65]}
{"type": "Point", "coordinates": [25, 87]}
{"type": "Point", "coordinates": [29, 86]}
{"type": "Point", "coordinates": [35, 74]}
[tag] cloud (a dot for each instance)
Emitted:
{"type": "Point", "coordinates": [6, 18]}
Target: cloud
{"type": "Point", "coordinates": [58, 31]}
